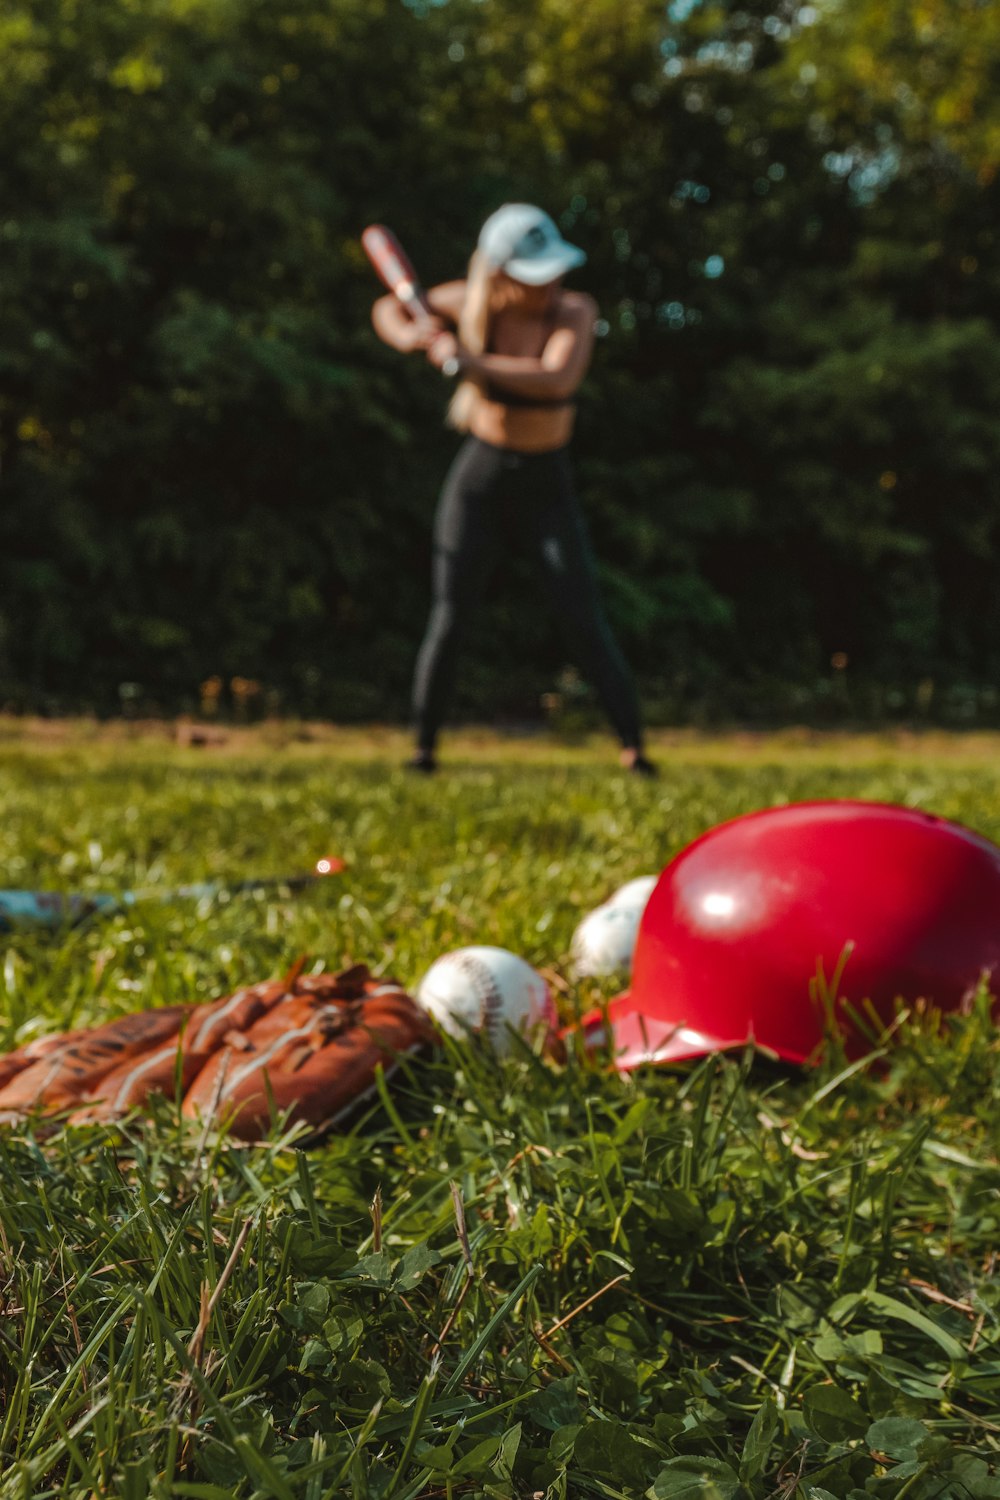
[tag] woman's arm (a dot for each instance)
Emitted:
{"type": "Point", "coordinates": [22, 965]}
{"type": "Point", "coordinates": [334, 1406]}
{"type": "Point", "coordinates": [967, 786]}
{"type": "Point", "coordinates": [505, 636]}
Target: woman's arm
{"type": "Point", "coordinates": [399, 330]}
{"type": "Point", "coordinates": [555, 373]}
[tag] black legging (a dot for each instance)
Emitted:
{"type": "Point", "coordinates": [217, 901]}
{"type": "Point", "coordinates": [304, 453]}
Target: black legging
{"type": "Point", "coordinates": [493, 495]}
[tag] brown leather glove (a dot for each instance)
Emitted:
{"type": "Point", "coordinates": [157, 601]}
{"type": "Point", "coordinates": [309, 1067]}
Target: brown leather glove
{"type": "Point", "coordinates": [307, 1044]}
{"type": "Point", "coordinates": [315, 1053]}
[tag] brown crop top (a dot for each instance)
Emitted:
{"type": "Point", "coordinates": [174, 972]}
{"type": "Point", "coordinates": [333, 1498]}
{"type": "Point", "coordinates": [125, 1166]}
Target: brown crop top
{"type": "Point", "coordinates": [514, 398]}
{"type": "Point", "coordinates": [494, 392]}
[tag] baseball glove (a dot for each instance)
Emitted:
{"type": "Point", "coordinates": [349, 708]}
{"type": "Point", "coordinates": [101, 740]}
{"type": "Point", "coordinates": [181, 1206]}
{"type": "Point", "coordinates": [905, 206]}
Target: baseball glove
{"type": "Point", "coordinates": [308, 1045]}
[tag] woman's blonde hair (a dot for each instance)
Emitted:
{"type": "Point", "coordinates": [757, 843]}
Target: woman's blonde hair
{"type": "Point", "coordinates": [473, 333]}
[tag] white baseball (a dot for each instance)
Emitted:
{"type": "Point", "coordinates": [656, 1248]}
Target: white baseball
{"type": "Point", "coordinates": [634, 892]}
{"type": "Point", "coordinates": [604, 942]}
{"type": "Point", "coordinates": [488, 991]}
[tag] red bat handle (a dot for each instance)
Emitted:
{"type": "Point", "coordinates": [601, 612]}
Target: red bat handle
{"type": "Point", "coordinates": [393, 268]}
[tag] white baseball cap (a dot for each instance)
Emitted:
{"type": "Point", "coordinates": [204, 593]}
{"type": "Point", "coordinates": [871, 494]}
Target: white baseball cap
{"type": "Point", "coordinates": [524, 242]}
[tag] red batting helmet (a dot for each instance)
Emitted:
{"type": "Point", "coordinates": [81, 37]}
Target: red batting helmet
{"type": "Point", "coordinates": [742, 919]}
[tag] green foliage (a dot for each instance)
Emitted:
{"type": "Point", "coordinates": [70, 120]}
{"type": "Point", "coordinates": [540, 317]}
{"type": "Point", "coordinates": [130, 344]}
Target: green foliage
{"type": "Point", "coordinates": [788, 446]}
{"type": "Point", "coordinates": [714, 1281]}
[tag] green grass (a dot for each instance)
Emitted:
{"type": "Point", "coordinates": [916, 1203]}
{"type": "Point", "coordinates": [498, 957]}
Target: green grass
{"type": "Point", "coordinates": [719, 1281]}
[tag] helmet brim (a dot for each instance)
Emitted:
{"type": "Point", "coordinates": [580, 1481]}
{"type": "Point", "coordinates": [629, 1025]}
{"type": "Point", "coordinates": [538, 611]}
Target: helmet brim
{"type": "Point", "coordinates": [638, 1039]}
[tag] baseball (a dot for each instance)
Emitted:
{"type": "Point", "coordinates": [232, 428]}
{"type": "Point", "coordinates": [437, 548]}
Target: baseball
{"type": "Point", "coordinates": [488, 992]}
{"type": "Point", "coordinates": [605, 941]}
{"type": "Point", "coordinates": [634, 892]}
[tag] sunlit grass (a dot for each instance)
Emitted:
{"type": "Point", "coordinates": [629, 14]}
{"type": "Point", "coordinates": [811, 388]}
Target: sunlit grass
{"type": "Point", "coordinates": [792, 1277]}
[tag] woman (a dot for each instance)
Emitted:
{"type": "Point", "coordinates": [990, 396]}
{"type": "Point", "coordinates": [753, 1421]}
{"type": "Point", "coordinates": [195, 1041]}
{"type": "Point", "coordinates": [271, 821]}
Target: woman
{"type": "Point", "coordinates": [520, 345]}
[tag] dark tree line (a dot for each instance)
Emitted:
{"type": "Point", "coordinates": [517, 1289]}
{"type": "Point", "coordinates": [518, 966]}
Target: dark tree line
{"type": "Point", "coordinates": [790, 441]}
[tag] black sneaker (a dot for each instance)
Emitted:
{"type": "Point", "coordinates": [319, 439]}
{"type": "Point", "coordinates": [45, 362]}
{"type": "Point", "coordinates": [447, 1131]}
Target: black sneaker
{"type": "Point", "coordinates": [643, 767]}
{"type": "Point", "coordinates": [423, 763]}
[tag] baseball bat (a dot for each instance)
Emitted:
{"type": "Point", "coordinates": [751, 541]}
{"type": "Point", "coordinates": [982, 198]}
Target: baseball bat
{"type": "Point", "coordinates": [54, 909]}
{"type": "Point", "coordinates": [394, 269]}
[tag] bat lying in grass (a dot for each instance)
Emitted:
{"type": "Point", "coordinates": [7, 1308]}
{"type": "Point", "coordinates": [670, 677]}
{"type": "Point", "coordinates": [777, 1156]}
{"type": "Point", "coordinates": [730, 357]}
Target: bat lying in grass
{"type": "Point", "coordinates": [55, 909]}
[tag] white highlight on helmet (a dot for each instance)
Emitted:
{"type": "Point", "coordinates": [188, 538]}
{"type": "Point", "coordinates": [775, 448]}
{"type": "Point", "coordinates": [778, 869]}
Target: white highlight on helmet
{"type": "Point", "coordinates": [683, 1037]}
{"type": "Point", "coordinates": [717, 904]}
